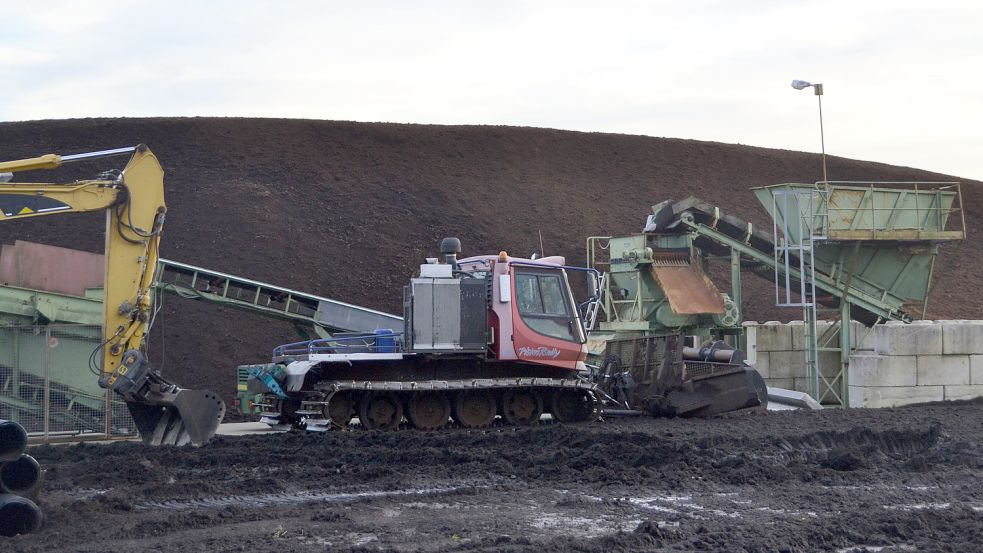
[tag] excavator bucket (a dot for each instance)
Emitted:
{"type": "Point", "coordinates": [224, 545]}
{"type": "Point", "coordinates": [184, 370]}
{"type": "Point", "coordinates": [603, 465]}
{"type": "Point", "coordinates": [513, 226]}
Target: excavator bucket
{"type": "Point", "coordinates": [164, 413]}
{"type": "Point", "coordinates": [178, 417]}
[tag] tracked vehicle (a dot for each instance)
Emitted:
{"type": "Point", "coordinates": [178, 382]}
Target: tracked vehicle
{"type": "Point", "coordinates": [485, 337]}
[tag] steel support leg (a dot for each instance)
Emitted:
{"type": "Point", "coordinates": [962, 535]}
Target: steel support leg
{"type": "Point", "coordinates": [845, 350]}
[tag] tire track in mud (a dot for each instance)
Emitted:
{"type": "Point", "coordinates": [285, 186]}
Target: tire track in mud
{"type": "Point", "coordinates": [891, 443]}
{"type": "Point", "coordinates": [274, 500]}
{"type": "Point", "coordinates": [849, 450]}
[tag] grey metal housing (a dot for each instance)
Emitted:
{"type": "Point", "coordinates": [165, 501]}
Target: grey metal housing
{"type": "Point", "coordinates": [446, 314]}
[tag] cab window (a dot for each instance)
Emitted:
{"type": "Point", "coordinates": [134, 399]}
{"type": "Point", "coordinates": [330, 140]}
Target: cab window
{"type": "Point", "coordinates": [544, 306]}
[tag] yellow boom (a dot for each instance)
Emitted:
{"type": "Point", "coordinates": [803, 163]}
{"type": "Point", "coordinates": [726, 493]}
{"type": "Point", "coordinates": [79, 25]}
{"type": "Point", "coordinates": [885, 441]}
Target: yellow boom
{"type": "Point", "coordinates": [134, 203]}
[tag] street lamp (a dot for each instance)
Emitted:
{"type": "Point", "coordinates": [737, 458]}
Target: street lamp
{"type": "Point", "coordinates": [818, 89]}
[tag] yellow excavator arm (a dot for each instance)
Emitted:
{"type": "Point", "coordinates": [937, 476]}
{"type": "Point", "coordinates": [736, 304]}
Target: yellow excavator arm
{"type": "Point", "coordinates": [133, 200]}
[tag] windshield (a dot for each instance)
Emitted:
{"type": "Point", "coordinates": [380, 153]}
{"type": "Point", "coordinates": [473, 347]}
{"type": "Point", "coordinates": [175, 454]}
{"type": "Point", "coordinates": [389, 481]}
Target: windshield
{"type": "Point", "coordinates": [545, 306]}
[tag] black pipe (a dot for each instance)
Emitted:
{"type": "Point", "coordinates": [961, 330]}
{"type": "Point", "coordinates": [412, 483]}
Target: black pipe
{"type": "Point", "coordinates": [21, 477]}
{"type": "Point", "coordinates": [715, 352]}
{"type": "Point", "coordinates": [18, 515]}
{"type": "Point", "coordinates": [13, 440]}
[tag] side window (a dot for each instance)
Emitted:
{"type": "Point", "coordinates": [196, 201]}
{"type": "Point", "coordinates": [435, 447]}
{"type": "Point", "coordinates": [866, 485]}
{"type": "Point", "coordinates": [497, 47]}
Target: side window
{"type": "Point", "coordinates": [527, 292]}
{"type": "Point", "coordinates": [543, 305]}
{"type": "Point", "coordinates": [552, 290]}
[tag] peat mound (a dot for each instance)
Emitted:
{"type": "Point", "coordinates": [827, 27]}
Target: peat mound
{"type": "Point", "coordinates": [348, 210]}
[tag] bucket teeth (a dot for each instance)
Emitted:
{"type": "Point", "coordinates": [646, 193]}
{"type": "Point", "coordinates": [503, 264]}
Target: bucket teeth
{"type": "Point", "coordinates": [169, 430]}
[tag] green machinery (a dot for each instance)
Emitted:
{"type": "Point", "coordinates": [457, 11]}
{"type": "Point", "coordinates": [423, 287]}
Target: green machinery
{"type": "Point", "coordinates": [864, 251]}
{"type": "Point", "coordinates": [656, 282]}
{"type": "Point", "coordinates": [46, 336]}
{"type": "Point", "coordinates": [23, 353]}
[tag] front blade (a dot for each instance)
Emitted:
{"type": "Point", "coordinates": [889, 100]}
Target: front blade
{"type": "Point", "coordinates": [728, 392]}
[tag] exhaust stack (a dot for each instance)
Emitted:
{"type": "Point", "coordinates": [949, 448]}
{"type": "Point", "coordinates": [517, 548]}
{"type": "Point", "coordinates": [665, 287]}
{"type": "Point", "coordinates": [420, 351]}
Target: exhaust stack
{"type": "Point", "coordinates": [450, 247]}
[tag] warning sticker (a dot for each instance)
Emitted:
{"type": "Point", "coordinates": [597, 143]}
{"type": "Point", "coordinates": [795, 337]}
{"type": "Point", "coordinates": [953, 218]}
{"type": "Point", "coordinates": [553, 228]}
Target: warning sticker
{"type": "Point", "coordinates": [20, 205]}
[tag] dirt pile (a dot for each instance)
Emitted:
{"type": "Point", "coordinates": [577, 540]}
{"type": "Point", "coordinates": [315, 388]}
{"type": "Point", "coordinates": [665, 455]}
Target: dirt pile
{"type": "Point", "coordinates": [348, 210]}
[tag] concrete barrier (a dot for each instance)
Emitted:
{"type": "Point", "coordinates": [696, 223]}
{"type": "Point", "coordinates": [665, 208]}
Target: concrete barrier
{"type": "Point", "coordinates": [976, 369]}
{"type": "Point", "coordinates": [894, 396]}
{"type": "Point", "coordinates": [786, 364]}
{"type": "Point", "coordinates": [962, 337]}
{"type": "Point", "coordinates": [763, 365]}
{"type": "Point", "coordinates": [883, 370]}
{"type": "Point", "coordinates": [774, 336]}
{"type": "Point", "coordinates": [938, 370]}
{"type": "Point", "coordinates": [892, 363]}
{"type": "Point", "coordinates": [917, 338]}
{"type": "Point", "coordinates": [971, 391]}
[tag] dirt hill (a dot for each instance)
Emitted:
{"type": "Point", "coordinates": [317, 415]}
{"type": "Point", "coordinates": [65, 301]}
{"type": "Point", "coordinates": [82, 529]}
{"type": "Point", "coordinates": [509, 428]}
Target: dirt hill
{"type": "Point", "coordinates": [348, 210]}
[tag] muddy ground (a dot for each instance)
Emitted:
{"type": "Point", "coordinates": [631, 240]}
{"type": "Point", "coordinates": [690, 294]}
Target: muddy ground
{"type": "Point", "coordinates": [899, 479]}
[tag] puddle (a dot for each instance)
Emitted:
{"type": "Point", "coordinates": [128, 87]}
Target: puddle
{"type": "Point", "coordinates": [584, 526]}
{"type": "Point", "coordinates": [876, 548]}
{"type": "Point", "coordinates": [918, 506]}
{"type": "Point", "coordinates": [88, 493]}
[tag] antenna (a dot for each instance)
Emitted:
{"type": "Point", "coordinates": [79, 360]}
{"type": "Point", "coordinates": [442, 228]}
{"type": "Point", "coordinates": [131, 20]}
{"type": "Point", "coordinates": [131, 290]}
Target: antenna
{"type": "Point", "coordinates": [542, 250]}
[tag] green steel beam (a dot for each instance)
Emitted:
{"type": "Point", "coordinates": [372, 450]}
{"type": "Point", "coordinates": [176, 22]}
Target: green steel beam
{"type": "Point", "coordinates": [855, 297]}
{"type": "Point", "coordinates": [26, 306]}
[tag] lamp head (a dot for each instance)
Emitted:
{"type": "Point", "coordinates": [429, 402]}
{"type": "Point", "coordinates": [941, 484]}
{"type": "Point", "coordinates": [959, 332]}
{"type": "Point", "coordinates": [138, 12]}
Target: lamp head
{"type": "Point", "coordinates": [799, 85]}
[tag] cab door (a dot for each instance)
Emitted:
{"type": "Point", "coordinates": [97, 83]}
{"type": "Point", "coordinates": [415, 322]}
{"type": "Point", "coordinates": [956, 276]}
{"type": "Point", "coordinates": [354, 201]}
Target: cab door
{"type": "Point", "coordinates": [546, 328]}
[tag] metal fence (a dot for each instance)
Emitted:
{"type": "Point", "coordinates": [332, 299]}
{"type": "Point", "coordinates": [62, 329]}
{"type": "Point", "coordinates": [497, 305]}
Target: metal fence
{"type": "Point", "coordinates": [47, 385]}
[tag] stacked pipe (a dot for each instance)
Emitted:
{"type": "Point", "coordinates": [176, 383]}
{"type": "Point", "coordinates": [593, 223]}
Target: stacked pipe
{"type": "Point", "coordinates": [20, 481]}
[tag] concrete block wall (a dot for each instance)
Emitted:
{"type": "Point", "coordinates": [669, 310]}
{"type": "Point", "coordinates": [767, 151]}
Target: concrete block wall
{"type": "Point", "coordinates": [893, 363]}
{"type": "Point", "coordinates": [778, 350]}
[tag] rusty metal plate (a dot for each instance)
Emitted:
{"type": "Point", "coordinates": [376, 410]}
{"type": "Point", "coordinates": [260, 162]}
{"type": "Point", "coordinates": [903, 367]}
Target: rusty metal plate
{"type": "Point", "coordinates": [690, 292]}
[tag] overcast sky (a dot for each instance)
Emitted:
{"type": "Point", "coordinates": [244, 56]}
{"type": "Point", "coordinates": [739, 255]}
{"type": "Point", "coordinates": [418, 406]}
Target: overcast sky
{"type": "Point", "coordinates": [903, 80]}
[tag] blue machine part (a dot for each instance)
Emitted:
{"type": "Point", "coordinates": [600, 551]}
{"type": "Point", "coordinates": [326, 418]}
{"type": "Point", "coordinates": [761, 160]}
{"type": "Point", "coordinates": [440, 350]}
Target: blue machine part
{"type": "Point", "coordinates": [385, 341]}
{"type": "Point", "coordinates": [267, 374]}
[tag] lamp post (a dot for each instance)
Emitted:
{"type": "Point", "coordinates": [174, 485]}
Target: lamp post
{"type": "Point", "coordinates": [818, 89]}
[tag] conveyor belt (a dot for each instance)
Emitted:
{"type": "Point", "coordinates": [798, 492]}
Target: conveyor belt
{"type": "Point", "coordinates": [270, 300]}
{"type": "Point", "coordinates": [718, 232]}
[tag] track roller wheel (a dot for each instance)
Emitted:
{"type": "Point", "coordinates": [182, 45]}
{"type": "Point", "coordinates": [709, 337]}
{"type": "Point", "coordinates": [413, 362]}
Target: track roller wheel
{"type": "Point", "coordinates": [475, 409]}
{"type": "Point", "coordinates": [288, 412]}
{"type": "Point", "coordinates": [340, 409]}
{"type": "Point", "coordinates": [572, 405]}
{"type": "Point", "coordinates": [380, 411]}
{"type": "Point", "coordinates": [522, 406]}
{"type": "Point", "coordinates": [428, 410]}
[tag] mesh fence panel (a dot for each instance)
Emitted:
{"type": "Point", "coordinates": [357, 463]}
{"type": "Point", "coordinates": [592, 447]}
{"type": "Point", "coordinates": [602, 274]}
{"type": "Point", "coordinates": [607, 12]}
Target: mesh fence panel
{"type": "Point", "coordinates": [47, 385]}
